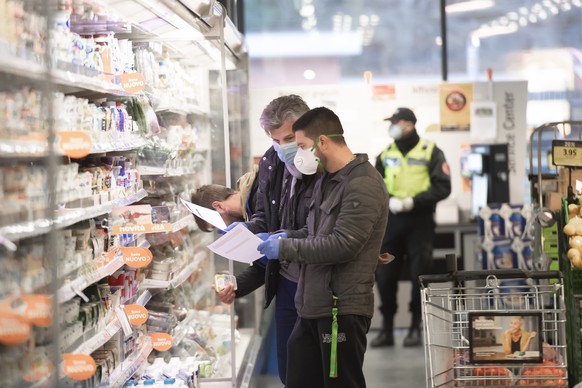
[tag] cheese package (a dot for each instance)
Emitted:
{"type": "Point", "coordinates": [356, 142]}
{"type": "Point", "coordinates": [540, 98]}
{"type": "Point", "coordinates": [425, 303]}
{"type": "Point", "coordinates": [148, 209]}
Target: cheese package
{"type": "Point", "coordinates": [222, 280]}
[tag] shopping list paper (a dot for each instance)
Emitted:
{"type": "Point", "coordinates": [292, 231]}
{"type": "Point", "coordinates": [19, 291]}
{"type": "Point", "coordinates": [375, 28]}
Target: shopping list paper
{"type": "Point", "coordinates": [239, 244]}
{"type": "Point", "coordinates": [208, 215]}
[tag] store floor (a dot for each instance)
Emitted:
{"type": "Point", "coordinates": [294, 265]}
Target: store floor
{"type": "Point", "coordinates": [395, 367]}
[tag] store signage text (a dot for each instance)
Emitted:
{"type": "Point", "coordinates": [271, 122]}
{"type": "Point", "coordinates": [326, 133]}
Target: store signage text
{"type": "Point", "coordinates": [136, 314]}
{"type": "Point", "coordinates": [143, 228]}
{"type": "Point", "coordinates": [79, 366]}
{"type": "Point", "coordinates": [132, 82]}
{"type": "Point", "coordinates": [75, 144]}
{"type": "Point", "coordinates": [161, 341]}
{"type": "Point", "coordinates": [567, 153]}
{"type": "Point", "coordinates": [14, 329]}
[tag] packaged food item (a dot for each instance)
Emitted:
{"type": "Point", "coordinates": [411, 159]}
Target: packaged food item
{"type": "Point", "coordinates": [223, 280]}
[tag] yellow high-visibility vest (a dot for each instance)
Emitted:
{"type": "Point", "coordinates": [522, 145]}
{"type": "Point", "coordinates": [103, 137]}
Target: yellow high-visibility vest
{"type": "Point", "coordinates": [407, 176]}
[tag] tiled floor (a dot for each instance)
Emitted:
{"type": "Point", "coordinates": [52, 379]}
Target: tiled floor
{"type": "Point", "coordinates": [395, 367]}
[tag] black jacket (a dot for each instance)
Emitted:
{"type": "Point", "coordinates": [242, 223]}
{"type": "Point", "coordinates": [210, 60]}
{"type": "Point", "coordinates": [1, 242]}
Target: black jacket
{"type": "Point", "coordinates": [291, 214]}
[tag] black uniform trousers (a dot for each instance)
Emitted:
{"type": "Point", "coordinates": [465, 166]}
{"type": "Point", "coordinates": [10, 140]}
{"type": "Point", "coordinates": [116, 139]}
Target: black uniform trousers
{"type": "Point", "coordinates": [411, 235]}
{"type": "Point", "coordinates": [308, 353]}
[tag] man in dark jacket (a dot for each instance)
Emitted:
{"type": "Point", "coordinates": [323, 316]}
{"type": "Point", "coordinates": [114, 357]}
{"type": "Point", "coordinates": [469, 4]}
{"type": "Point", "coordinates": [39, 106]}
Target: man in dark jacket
{"type": "Point", "coordinates": [417, 177]}
{"type": "Point", "coordinates": [338, 251]}
{"type": "Point", "coordinates": [282, 199]}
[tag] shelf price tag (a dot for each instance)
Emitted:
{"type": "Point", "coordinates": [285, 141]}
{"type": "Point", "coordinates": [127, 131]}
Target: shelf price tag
{"type": "Point", "coordinates": [132, 82]}
{"type": "Point", "coordinates": [14, 328]}
{"type": "Point", "coordinates": [134, 257]}
{"type": "Point", "coordinates": [79, 366]}
{"type": "Point", "coordinates": [136, 314]}
{"type": "Point", "coordinates": [38, 309]}
{"type": "Point", "coordinates": [161, 341]}
{"type": "Point", "coordinates": [75, 144]}
{"type": "Point", "coordinates": [567, 153]}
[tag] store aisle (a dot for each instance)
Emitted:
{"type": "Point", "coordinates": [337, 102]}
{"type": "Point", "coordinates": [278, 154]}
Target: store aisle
{"type": "Point", "coordinates": [395, 367]}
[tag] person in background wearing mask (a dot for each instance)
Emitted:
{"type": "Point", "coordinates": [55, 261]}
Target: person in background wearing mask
{"type": "Point", "coordinates": [338, 252]}
{"type": "Point", "coordinates": [417, 176]}
{"type": "Point", "coordinates": [282, 203]}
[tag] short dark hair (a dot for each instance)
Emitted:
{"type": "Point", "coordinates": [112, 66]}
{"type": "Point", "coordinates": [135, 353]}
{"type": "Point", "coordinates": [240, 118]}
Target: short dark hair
{"type": "Point", "coordinates": [204, 197]}
{"type": "Point", "coordinates": [320, 121]}
{"type": "Point", "coordinates": [281, 109]}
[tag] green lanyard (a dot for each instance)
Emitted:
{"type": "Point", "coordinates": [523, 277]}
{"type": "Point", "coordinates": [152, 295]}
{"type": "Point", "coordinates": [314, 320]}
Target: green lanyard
{"type": "Point", "coordinates": [333, 357]}
{"type": "Point", "coordinates": [331, 135]}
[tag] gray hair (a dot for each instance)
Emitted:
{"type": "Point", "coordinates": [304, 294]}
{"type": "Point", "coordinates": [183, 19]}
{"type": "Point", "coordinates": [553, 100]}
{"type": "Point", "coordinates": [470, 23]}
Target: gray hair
{"type": "Point", "coordinates": [281, 109]}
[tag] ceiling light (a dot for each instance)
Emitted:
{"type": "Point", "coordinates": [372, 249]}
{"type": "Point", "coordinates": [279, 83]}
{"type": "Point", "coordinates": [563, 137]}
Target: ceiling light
{"type": "Point", "coordinates": [467, 6]}
{"type": "Point", "coordinates": [513, 15]}
{"type": "Point", "coordinates": [533, 19]}
{"type": "Point", "coordinates": [439, 41]}
{"type": "Point", "coordinates": [494, 31]}
{"type": "Point", "coordinates": [566, 6]}
{"type": "Point", "coordinates": [475, 41]}
{"type": "Point", "coordinates": [309, 74]}
{"type": "Point", "coordinates": [577, 3]}
{"type": "Point", "coordinates": [543, 15]}
{"type": "Point", "coordinates": [554, 10]}
{"type": "Point", "coordinates": [522, 21]}
{"type": "Point", "coordinates": [307, 10]}
{"type": "Point", "coordinates": [364, 20]}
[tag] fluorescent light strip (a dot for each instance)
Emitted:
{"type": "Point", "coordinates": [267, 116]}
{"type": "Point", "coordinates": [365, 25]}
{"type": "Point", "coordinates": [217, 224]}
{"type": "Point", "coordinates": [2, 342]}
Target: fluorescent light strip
{"type": "Point", "coordinates": [467, 6]}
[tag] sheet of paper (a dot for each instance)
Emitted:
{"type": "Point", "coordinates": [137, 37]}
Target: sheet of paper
{"type": "Point", "coordinates": [238, 244]}
{"type": "Point", "coordinates": [208, 215]}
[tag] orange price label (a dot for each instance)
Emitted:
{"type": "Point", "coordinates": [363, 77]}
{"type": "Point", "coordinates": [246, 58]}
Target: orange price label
{"type": "Point", "coordinates": [14, 329]}
{"type": "Point", "coordinates": [161, 341]}
{"type": "Point", "coordinates": [79, 366]}
{"type": "Point", "coordinates": [141, 228]}
{"type": "Point", "coordinates": [75, 144]}
{"type": "Point", "coordinates": [136, 314]}
{"type": "Point", "coordinates": [137, 257]}
{"type": "Point", "coordinates": [132, 82]}
{"type": "Point", "coordinates": [38, 309]}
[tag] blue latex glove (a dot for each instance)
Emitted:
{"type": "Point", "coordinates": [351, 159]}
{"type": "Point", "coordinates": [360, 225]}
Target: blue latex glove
{"type": "Point", "coordinates": [263, 236]}
{"type": "Point", "coordinates": [230, 227]}
{"type": "Point", "coordinates": [278, 235]}
{"type": "Point", "coordinates": [270, 248]}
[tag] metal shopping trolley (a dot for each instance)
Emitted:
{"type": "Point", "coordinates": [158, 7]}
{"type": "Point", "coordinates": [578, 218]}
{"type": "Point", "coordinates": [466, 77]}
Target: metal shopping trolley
{"type": "Point", "coordinates": [468, 318]}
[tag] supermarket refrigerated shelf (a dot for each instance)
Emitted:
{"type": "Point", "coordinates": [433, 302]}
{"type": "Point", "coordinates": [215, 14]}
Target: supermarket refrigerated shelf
{"type": "Point", "coordinates": [72, 81]}
{"type": "Point", "coordinates": [10, 148]}
{"type": "Point", "coordinates": [127, 368]}
{"type": "Point", "coordinates": [70, 289]}
{"type": "Point", "coordinates": [182, 328]}
{"type": "Point", "coordinates": [183, 222]}
{"type": "Point", "coordinates": [246, 354]}
{"type": "Point", "coordinates": [66, 217]}
{"type": "Point", "coordinates": [179, 278]}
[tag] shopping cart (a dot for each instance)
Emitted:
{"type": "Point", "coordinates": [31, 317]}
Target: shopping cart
{"type": "Point", "coordinates": [466, 316]}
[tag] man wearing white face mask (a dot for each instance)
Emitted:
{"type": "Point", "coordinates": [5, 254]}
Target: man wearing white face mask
{"type": "Point", "coordinates": [417, 176]}
{"type": "Point", "coordinates": [338, 251]}
{"type": "Point", "coordinates": [282, 199]}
